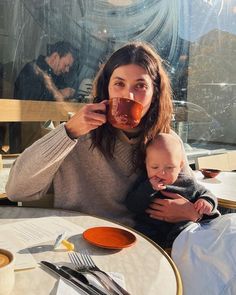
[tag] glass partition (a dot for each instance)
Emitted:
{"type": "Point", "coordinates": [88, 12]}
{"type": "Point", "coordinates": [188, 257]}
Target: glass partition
{"type": "Point", "coordinates": [195, 38]}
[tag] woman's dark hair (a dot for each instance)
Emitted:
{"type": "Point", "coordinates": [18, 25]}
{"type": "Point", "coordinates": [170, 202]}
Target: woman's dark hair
{"type": "Point", "coordinates": [158, 117]}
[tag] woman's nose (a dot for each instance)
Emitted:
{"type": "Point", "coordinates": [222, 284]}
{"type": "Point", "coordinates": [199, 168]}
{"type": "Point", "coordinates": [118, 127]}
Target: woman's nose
{"type": "Point", "coordinates": [130, 95]}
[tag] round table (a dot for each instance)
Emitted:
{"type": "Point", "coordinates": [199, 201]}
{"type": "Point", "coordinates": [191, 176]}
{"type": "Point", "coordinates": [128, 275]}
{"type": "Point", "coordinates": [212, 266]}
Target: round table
{"type": "Point", "coordinates": [222, 186]}
{"type": "Point", "coordinates": [147, 269]}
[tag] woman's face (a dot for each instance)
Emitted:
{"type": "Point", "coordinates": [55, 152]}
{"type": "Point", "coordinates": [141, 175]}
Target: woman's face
{"type": "Point", "coordinates": [133, 82]}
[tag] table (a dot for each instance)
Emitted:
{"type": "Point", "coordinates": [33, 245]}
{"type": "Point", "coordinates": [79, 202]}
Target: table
{"type": "Point", "coordinates": [146, 267]}
{"type": "Point", "coordinates": [223, 186]}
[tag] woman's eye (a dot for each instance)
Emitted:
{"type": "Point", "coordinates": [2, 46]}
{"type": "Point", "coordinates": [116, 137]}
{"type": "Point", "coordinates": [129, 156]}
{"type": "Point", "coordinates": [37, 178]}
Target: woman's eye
{"type": "Point", "coordinates": [120, 84]}
{"type": "Point", "coordinates": [141, 86]}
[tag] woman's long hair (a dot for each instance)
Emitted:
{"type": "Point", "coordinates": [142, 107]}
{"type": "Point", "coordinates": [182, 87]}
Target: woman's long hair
{"type": "Point", "coordinates": [158, 117]}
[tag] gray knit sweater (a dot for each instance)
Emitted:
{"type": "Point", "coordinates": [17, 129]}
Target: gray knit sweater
{"type": "Point", "coordinates": [81, 178]}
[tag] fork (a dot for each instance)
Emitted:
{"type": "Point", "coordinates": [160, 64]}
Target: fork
{"type": "Point", "coordinates": [88, 261]}
{"type": "Point", "coordinates": [81, 267]}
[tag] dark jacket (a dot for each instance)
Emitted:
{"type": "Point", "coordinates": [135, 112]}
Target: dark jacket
{"type": "Point", "coordinates": [30, 84]}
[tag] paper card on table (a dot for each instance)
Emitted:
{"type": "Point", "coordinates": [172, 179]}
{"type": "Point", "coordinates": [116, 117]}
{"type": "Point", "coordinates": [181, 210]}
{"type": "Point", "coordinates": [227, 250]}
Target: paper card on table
{"type": "Point", "coordinates": [18, 236]}
{"type": "Point", "coordinates": [24, 259]}
{"type": "Point", "coordinates": [40, 230]}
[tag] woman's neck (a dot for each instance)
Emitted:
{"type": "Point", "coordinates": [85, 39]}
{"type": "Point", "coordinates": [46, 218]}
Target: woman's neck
{"type": "Point", "coordinates": [132, 134]}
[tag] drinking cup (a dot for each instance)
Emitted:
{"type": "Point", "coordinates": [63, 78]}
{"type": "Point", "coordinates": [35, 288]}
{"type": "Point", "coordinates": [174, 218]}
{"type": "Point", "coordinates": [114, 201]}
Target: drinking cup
{"type": "Point", "coordinates": [7, 275]}
{"type": "Point", "coordinates": [124, 113]}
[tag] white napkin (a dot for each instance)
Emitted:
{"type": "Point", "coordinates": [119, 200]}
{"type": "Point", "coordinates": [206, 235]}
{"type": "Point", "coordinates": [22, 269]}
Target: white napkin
{"type": "Point", "coordinates": [65, 288]}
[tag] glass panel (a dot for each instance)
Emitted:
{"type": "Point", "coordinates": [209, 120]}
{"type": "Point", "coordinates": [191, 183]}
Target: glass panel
{"type": "Point", "coordinates": [196, 39]}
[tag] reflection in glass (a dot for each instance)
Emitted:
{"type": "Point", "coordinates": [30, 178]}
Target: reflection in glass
{"type": "Point", "coordinates": [196, 40]}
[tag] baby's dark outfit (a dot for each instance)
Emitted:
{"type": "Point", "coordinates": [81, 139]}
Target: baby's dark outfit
{"type": "Point", "coordinates": [162, 232]}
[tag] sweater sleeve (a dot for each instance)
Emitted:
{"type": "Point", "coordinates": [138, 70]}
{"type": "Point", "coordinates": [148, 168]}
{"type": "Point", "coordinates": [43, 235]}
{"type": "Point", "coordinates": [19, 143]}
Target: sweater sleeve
{"type": "Point", "coordinates": [138, 200]}
{"type": "Point", "coordinates": [203, 193]}
{"type": "Point", "coordinates": [32, 173]}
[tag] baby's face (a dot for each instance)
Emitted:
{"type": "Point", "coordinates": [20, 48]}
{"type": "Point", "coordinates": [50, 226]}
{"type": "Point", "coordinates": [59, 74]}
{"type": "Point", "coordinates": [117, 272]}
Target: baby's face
{"type": "Point", "coordinates": [163, 165]}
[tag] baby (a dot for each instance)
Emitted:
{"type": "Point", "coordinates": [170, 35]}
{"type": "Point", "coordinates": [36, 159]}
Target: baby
{"type": "Point", "coordinates": [164, 161]}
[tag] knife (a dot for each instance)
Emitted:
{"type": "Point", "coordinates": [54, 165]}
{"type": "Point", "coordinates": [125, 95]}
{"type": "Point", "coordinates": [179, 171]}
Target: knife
{"type": "Point", "coordinates": [81, 278]}
{"type": "Point", "coordinates": [56, 269]}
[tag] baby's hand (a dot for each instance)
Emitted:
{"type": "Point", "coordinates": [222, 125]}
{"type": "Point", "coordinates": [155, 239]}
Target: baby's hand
{"type": "Point", "coordinates": [203, 207]}
{"type": "Point", "coordinates": [157, 183]}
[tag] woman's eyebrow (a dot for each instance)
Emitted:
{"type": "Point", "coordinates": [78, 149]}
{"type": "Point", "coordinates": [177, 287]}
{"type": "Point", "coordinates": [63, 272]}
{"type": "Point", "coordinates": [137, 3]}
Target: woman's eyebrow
{"type": "Point", "coordinates": [119, 78]}
{"type": "Point", "coordinates": [141, 79]}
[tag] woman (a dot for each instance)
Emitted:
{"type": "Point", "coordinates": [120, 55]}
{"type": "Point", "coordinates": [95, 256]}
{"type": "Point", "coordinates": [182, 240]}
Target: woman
{"type": "Point", "coordinates": [91, 165]}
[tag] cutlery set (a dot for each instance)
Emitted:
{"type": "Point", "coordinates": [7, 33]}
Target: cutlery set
{"type": "Point", "coordinates": [87, 264]}
{"type": "Point", "coordinates": [76, 277]}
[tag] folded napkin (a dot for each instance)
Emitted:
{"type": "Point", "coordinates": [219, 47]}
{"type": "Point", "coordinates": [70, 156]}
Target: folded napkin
{"type": "Point", "coordinates": [65, 288]}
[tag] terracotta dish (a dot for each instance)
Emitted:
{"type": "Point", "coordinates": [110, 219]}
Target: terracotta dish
{"type": "Point", "coordinates": [210, 173]}
{"type": "Point", "coordinates": [109, 237]}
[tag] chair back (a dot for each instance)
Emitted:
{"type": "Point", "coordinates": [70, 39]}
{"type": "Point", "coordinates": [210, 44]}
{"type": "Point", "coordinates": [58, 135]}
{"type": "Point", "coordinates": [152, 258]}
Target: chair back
{"type": "Point", "coordinates": [224, 162]}
{"type": "Point", "coordinates": [25, 118]}
{"type": "Point", "coordinates": [232, 160]}
{"type": "Point", "coordinates": [15, 110]}
{"type": "Point", "coordinates": [23, 111]}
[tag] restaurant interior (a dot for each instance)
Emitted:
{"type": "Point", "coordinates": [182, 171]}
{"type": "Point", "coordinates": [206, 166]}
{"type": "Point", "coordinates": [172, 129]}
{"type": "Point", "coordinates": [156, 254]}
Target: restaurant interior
{"type": "Point", "coordinates": [197, 42]}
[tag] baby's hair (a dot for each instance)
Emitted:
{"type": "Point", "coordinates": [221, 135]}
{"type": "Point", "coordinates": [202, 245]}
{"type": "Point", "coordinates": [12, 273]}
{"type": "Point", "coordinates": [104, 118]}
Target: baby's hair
{"type": "Point", "coordinates": [164, 138]}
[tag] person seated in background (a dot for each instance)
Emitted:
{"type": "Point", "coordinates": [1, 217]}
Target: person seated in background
{"type": "Point", "coordinates": [43, 79]}
{"type": "Point", "coordinates": [164, 163]}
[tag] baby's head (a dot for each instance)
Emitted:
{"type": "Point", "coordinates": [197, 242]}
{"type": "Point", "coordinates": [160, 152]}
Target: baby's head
{"type": "Point", "coordinates": [164, 158]}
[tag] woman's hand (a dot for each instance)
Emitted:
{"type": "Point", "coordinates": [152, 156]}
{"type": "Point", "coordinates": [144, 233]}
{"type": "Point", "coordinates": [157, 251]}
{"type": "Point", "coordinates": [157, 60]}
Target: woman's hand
{"type": "Point", "coordinates": [89, 117]}
{"type": "Point", "coordinates": [174, 209]}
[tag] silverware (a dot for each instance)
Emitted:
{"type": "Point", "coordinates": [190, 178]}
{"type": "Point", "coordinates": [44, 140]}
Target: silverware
{"type": "Point", "coordinates": [57, 270]}
{"type": "Point", "coordinates": [88, 261]}
{"type": "Point", "coordinates": [80, 267]}
{"type": "Point", "coordinates": [82, 278]}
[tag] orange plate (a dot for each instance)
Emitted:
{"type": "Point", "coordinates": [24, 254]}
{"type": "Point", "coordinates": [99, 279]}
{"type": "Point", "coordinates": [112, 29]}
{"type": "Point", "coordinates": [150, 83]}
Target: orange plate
{"type": "Point", "coordinates": [109, 237]}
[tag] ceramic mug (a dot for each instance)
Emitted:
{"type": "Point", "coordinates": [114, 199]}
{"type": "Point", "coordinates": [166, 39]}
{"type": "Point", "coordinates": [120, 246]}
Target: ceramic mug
{"type": "Point", "coordinates": [7, 275]}
{"type": "Point", "coordinates": [124, 113]}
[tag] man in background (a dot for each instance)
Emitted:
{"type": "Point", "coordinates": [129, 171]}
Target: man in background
{"type": "Point", "coordinates": [42, 79]}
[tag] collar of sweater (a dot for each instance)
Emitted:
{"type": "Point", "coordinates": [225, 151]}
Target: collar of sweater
{"type": "Point", "coordinates": [125, 138]}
